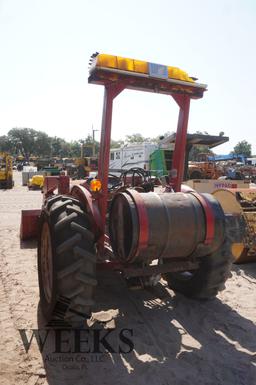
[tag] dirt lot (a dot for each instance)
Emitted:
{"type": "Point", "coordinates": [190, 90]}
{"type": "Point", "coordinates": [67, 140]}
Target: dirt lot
{"type": "Point", "coordinates": [176, 340]}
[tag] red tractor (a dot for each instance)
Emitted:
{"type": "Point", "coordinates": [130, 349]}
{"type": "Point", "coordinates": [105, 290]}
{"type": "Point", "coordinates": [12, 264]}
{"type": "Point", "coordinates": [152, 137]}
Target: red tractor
{"type": "Point", "coordinates": [180, 236]}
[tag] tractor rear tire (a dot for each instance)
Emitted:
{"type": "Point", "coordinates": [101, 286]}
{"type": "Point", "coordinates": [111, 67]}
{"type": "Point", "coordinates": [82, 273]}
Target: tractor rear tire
{"type": "Point", "coordinates": [66, 262]}
{"type": "Point", "coordinates": [209, 278]}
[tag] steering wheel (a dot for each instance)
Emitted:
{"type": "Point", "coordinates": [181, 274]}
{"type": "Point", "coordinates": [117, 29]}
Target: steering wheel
{"type": "Point", "coordinates": [113, 181]}
{"type": "Point", "coordinates": [145, 176]}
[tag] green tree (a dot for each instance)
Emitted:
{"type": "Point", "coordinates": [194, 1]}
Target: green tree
{"type": "Point", "coordinates": [201, 149]}
{"type": "Point", "coordinates": [5, 144]}
{"type": "Point", "coordinates": [136, 138]}
{"type": "Point", "coordinates": [65, 150]}
{"type": "Point", "coordinates": [158, 138]}
{"type": "Point", "coordinates": [243, 148]}
{"type": "Point", "coordinates": [198, 149]}
{"type": "Point", "coordinates": [28, 141]}
{"type": "Point", "coordinates": [75, 148]}
{"type": "Point", "coordinates": [42, 144]}
{"type": "Point", "coordinates": [58, 147]}
{"type": "Point", "coordinates": [116, 143]}
{"type": "Point", "coordinates": [88, 145]}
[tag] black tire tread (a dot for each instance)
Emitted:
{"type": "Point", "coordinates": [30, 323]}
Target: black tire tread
{"type": "Point", "coordinates": [75, 260]}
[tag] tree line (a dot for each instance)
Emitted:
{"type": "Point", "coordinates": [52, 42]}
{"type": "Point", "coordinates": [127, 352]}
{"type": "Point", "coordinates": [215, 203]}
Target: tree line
{"type": "Point", "coordinates": [28, 142]}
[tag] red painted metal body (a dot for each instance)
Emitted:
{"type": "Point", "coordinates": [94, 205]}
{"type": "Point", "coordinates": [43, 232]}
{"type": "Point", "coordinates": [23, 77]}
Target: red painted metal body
{"type": "Point", "coordinates": [64, 184]}
{"type": "Point", "coordinates": [29, 218]}
{"type": "Point", "coordinates": [29, 224]}
{"type": "Point", "coordinates": [180, 142]}
{"type": "Point", "coordinates": [111, 91]}
{"type": "Point", "coordinates": [90, 204]}
{"type": "Point", "coordinates": [51, 183]}
{"type": "Point", "coordinates": [97, 203]}
{"type": "Point", "coordinates": [143, 220]}
{"type": "Point", "coordinates": [209, 218]}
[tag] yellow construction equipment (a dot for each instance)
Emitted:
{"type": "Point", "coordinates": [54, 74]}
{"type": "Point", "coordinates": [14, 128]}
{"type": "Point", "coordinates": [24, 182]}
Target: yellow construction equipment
{"type": "Point", "coordinates": [36, 182]}
{"type": "Point", "coordinates": [202, 168]}
{"type": "Point", "coordinates": [84, 165]}
{"type": "Point", "coordinates": [241, 202]}
{"type": "Point", "coordinates": [6, 173]}
{"type": "Point", "coordinates": [238, 199]}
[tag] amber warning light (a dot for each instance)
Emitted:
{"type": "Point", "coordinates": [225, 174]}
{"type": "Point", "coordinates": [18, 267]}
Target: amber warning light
{"type": "Point", "coordinates": [95, 185]}
{"type": "Point", "coordinates": [153, 70]}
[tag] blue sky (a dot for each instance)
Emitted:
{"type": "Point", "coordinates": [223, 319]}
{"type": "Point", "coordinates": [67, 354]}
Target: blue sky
{"type": "Point", "coordinates": [45, 47]}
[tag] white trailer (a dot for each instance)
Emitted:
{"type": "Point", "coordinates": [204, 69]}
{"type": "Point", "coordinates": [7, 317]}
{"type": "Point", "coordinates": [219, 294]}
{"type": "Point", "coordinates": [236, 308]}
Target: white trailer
{"type": "Point", "coordinates": [252, 161]}
{"type": "Point", "coordinates": [128, 156]}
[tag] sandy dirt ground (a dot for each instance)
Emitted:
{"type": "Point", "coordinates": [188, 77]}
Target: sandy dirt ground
{"type": "Point", "coordinates": [176, 340]}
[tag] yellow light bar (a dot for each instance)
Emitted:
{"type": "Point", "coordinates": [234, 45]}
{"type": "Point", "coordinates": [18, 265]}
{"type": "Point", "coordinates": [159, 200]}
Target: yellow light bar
{"type": "Point", "coordinates": [138, 66]}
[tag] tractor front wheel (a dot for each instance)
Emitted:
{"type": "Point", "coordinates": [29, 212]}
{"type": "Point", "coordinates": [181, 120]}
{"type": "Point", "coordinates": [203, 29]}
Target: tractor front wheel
{"type": "Point", "coordinates": [66, 262]}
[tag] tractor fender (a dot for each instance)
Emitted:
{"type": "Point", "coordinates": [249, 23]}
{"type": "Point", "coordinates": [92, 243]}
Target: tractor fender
{"type": "Point", "coordinates": [86, 198]}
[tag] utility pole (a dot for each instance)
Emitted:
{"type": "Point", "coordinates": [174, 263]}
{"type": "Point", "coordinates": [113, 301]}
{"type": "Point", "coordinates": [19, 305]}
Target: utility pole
{"type": "Point", "coordinates": [82, 149]}
{"type": "Point", "coordinates": [93, 141]}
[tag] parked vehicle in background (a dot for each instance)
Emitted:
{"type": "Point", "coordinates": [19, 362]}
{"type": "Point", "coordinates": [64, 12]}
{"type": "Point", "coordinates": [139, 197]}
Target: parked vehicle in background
{"type": "Point", "coordinates": [203, 168]}
{"type": "Point", "coordinates": [6, 173]}
{"type": "Point", "coordinates": [36, 182]}
{"type": "Point", "coordinates": [129, 156]}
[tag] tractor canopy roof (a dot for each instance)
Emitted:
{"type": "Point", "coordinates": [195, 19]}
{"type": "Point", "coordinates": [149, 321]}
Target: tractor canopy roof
{"type": "Point", "coordinates": [198, 139]}
{"type": "Point", "coordinates": [143, 75]}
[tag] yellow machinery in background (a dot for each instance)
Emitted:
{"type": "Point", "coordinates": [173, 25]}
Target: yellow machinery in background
{"type": "Point", "coordinates": [236, 198]}
{"type": "Point", "coordinates": [6, 173]}
{"type": "Point", "coordinates": [203, 168]}
{"type": "Point", "coordinates": [85, 165]}
{"type": "Point", "coordinates": [36, 182]}
{"type": "Point", "coordinates": [241, 202]}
